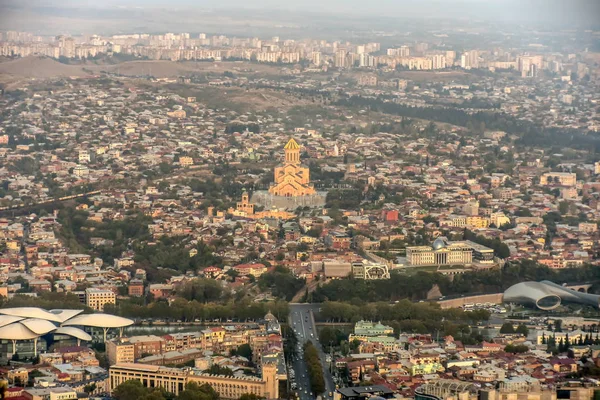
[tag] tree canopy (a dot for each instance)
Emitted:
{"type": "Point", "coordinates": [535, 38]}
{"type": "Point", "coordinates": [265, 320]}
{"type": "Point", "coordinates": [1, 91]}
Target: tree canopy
{"type": "Point", "coordinates": [315, 369]}
{"type": "Point", "coordinates": [281, 282]}
{"type": "Point", "coordinates": [134, 390]}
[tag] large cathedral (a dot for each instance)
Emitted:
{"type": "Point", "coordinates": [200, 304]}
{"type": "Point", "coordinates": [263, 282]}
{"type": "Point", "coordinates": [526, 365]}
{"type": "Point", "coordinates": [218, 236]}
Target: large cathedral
{"type": "Point", "coordinates": [292, 179]}
{"type": "Point", "coordinates": [291, 187]}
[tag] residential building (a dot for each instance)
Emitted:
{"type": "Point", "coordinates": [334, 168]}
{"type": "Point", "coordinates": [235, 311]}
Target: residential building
{"type": "Point", "coordinates": [97, 298]}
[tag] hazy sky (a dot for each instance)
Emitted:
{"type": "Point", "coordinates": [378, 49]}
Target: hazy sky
{"type": "Point", "coordinates": [568, 11]}
{"type": "Point", "coordinates": [125, 15]}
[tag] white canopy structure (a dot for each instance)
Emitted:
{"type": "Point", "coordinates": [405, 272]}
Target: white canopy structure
{"type": "Point", "coordinates": [99, 321]}
{"type": "Point", "coordinates": [30, 312]}
{"type": "Point", "coordinates": [8, 319]}
{"type": "Point", "coordinates": [104, 321]}
{"type": "Point", "coordinates": [64, 315]}
{"type": "Point", "coordinates": [38, 326]}
{"type": "Point", "coordinates": [74, 332]}
{"type": "Point", "coordinates": [17, 331]}
{"type": "Point", "coordinates": [29, 323]}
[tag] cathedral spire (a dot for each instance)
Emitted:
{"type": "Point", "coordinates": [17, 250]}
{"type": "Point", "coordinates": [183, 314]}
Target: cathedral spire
{"type": "Point", "coordinates": [292, 152]}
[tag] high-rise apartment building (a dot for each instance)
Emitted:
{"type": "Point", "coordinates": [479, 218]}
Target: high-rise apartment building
{"type": "Point", "coordinates": [316, 58]}
{"type": "Point", "coordinates": [340, 58]}
{"type": "Point", "coordinates": [470, 59]}
{"type": "Point", "coordinates": [450, 57]}
{"type": "Point", "coordinates": [366, 60]}
{"type": "Point", "coordinates": [402, 51]}
{"type": "Point", "coordinates": [530, 65]}
{"type": "Point", "coordinates": [438, 61]}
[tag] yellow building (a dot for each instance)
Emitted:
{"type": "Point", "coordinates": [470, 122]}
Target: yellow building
{"type": "Point", "coordinates": [292, 179]}
{"type": "Point", "coordinates": [478, 222]}
{"type": "Point", "coordinates": [245, 209]}
{"type": "Point", "coordinates": [558, 178]}
{"type": "Point", "coordinates": [173, 380]}
{"type": "Point", "coordinates": [97, 298]}
{"type": "Point", "coordinates": [186, 161]}
{"type": "Point", "coordinates": [217, 334]}
{"type": "Point", "coordinates": [120, 352]}
{"type": "Point", "coordinates": [177, 114]}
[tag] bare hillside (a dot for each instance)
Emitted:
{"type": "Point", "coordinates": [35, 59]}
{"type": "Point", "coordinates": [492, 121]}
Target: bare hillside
{"type": "Point", "coordinates": [39, 67]}
{"type": "Point", "coordinates": [159, 69]}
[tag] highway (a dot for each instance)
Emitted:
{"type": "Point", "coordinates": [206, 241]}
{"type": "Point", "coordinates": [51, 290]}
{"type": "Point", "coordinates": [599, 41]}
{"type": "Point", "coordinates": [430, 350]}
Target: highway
{"type": "Point", "coordinates": [302, 321]}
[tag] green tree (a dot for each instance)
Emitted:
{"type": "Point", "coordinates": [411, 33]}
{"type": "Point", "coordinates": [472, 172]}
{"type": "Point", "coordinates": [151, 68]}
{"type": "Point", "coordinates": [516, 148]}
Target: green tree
{"type": "Point", "coordinates": [130, 390]}
{"type": "Point", "coordinates": [245, 351]}
{"type": "Point", "coordinates": [25, 165]}
{"type": "Point", "coordinates": [327, 336]}
{"type": "Point", "coordinates": [250, 396]}
{"type": "Point", "coordinates": [563, 207]}
{"type": "Point", "coordinates": [281, 282]}
{"type": "Point", "coordinates": [315, 232]}
{"type": "Point", "coordinates": [516, 348]}
{"type": "Point", "coordinates": [507, 327]}
{"type": "Point", "coordinates": [89, 388]}
{"type": "Point", "coordinates": [216, 369]}
{"type": "Point", "coordinates": [315, 369]}
{"type": "Point", "coordinates": [201, 290]}
{"type": "Point", "coordinates": [193, 391]}
{"type": "Point", "coordinates": [558, 325]}
{"type": "Point", "coordinates": [522, 329]}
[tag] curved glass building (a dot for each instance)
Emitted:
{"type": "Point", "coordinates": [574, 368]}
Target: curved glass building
{"type": "Point", "coordinates": [547, 295]}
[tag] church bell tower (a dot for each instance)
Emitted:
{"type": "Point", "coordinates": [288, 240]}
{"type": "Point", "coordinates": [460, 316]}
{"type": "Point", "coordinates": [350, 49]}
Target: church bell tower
{"type": "Point", "coordinates": [292, 152]}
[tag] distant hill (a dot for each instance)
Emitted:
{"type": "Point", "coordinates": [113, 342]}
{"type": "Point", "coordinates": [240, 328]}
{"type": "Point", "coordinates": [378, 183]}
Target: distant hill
{"type": "Point", "coordinates": [156, 68]}
{"type": "Point", "coordinates": [40, 68]}
{"type": "Point", "coordinates": [44, 67]}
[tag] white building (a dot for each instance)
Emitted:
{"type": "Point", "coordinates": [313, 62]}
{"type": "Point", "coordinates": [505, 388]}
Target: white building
{"type": "Point", "coordinates": [369, 271]}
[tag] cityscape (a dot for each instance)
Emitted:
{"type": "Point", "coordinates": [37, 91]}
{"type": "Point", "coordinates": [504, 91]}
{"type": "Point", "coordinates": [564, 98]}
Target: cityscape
{"type": "Point", "coordinates": [340, 201]}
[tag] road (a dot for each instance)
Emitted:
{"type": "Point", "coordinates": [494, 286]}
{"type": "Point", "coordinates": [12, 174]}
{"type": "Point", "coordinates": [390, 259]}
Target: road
{"type": "Point", "coordinates": [303, 323]}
